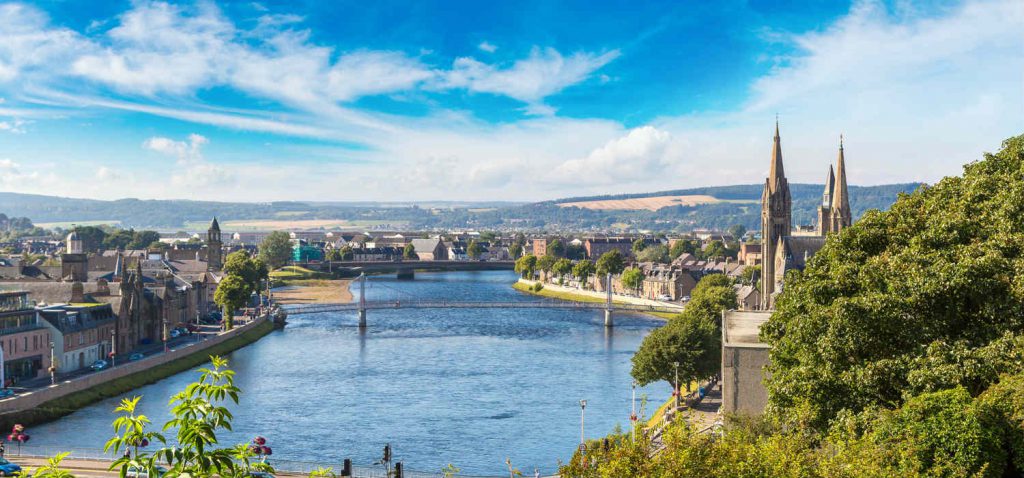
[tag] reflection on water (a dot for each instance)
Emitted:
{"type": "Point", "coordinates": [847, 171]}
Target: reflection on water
{"type": "Point", "coordinates": [469, 387]}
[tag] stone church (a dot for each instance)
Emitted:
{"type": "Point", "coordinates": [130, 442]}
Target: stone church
{"type": "Point", "coordinates": [782, 249]}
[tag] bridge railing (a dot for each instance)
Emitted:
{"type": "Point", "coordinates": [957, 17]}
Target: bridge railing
{"type": "Point", "coordinates": [441, 304]}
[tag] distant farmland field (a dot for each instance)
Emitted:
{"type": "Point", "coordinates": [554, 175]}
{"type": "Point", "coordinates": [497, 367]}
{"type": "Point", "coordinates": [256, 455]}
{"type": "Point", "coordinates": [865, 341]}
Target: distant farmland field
{"type": "Point", "coordinates": [649, 203]}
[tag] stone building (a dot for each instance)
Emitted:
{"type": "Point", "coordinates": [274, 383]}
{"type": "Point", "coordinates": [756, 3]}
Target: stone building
{"type": "Point", "coordinates": [782, 247]}
{"type": "Point", "coordinates": [24, 339]}
{"type": "Point", "coordinates": [834, 213]}
{"type": "Point", "coordinates": [776, 218]}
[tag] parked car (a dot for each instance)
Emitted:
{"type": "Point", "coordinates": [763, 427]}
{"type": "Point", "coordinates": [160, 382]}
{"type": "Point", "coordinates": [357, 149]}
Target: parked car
{"type": "Point", "coordinates": [99, 365]}
{"type": "Point", "coordinates": [8, 469]}
{"type": "Point", "coordinates": [664, 297]}
{"type": "Point", "coordinates": [134, 472]}
{"type": "Point", "coordinates": [175, 333]}
{"type": "Point", "coordinates": [192, 328]}
{"type": "Point", "coordinates": [135, 356]}
{"type": "Point", "coordinates": [183, 330]}
{"type": "Point", "coordinates": [6, 392]}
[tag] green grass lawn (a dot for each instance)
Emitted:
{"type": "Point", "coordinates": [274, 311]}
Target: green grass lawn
{"type": "Point", "coordinates": [288, 275]}
{"type": "Point", "coordinates": [569, 296]}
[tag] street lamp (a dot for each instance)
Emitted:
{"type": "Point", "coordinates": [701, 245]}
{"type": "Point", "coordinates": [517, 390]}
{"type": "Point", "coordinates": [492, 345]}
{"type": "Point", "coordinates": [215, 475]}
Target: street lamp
{"type": "Point", "coordinates": [675, 385]}
{"type": "Point", "coordinates": [583, 441]}
{"type": "Point", "coordinates": [165, 334]}
{"type": "Point", "coordinates": [632, 414]}
{"type": "Point", "coordinates": [53, 366]}
{"type": "Point", "coordinates": [113, 347]}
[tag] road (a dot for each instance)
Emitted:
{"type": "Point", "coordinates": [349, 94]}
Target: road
{"type": "Point", "coordinates": [147, 350]}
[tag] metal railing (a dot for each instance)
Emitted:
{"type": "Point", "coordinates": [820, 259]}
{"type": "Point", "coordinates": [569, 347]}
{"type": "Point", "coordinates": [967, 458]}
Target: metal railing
{"type": "Point", "coordinates": [444, 304]}
{"type": "Point", "coordinates": [282, 466]}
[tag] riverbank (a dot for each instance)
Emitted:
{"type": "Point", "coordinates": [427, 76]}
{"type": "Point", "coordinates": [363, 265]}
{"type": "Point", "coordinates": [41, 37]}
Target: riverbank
{"type": "Point", "coordinates": [552, 291]}
{"type": "Point", "coordinates": [58, 400]}
{"type": "Point", "coordinates": [314, 291]}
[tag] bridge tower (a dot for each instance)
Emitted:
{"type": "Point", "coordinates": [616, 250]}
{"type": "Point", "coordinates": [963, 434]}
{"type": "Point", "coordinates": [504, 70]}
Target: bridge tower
{"type": "Point", "coordinates": [608, 301]}
{"type": "Point", "coordinates": [362, 300]}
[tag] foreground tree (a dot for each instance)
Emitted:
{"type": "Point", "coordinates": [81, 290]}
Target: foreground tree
{"type": "Point", "coordinates": [474, 250]}
{"type": "Point", "coordinates": [562, 267]}
{"type": "Point", "coordinates": [276, 249]}
{"type": "Point", "coordinates": [409, 252]}
{"type": "Point", "coordinates": [944, 266]}
{"type": "Point", "coordinates": [198, 415]}
{"type": "Point", "coordinates": [545, 263]}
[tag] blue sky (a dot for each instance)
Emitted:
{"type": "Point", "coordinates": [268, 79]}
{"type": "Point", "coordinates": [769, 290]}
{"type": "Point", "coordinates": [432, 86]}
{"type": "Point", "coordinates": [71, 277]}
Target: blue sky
{"type": "Point", "coordinates": [423, 100]}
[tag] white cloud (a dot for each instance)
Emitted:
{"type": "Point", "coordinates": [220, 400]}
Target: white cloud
{"type": "Point", "coordinates": [191, 170]}
{"type": "Point", "coordinates": [637, 156]}
{"type": "Point", "coordinates": [107, 174]}
{"type": "Point", "coordinates": [367, 73]}
{"type": "Point", "coordinates": [542, 74]}
{"type": "Point", "coordinates": [16, 126]}
{"type": "Point", "coordinates": [487, 47]}
{"type": "Point", "coordinates": [184, 151]}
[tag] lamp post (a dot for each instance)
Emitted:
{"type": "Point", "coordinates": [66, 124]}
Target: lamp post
{"type": "Point", "coordinates": [675, 384]}
{"type": "Point", "coordinates": [113, 347]}
{"type": "Point", "coordinates": [632, 413]}
{"type": "Point", "coordinates": [583, 441]}
{"type": "Point", "coordinates": [53, 366]}
{"type": "Point", "coordinates": [165, 334]}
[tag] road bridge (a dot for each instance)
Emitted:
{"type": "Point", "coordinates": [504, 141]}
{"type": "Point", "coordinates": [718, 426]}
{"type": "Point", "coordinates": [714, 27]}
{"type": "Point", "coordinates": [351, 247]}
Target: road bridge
{"type": "Point", "coordinates": [409, 302]}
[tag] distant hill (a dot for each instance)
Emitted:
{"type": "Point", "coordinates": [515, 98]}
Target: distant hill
{"type": "Point", "coordinates": [720, 207]}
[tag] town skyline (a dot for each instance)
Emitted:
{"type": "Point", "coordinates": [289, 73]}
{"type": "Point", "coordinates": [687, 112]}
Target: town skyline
{"type": "Point", "coordinates": [435, 107]}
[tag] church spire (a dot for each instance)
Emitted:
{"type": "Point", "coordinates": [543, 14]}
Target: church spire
{"type": "Point", "coordinates": [776, 172]}
{"type": "Point", "coordinates": [841, 196]}
{"type": "Point", "coordinates": [830, 186]}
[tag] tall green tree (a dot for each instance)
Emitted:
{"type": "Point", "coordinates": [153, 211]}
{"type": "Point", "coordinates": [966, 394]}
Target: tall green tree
{"type": "Point", "coordinates": [556, 248]}
{"type": "Point", "coordinates": [232, 294]}
{"type": "Point", "coordinates": [546, 262]}
{"type": "Point", "coordinates": [682, 246]}
{"type": "Point", "coordinates": [658, 254]}
{"type": "Point", "coordinates": [409, 252]}
{"type": "Point", "coordinates": [943, 266]}
{"type": "Point", "coordinates": [633, 279]}
{"type": "Point", "coordinates": [583, 270]}
{"type": "Point", "coordinates": [714, 250]}
{"type": "Point", "coordinates": [639, 245]}
{"type": "Point", "coordinates": [252, 270]}
{"type": "Point", "coordinates": [525, 266]}
{"type": "Point", "coordinates": [92, 237]}
{"type": "Point", "coordinates": [611, 262]}
{"type": "Point", "coordinates": [693, 339]}
{"type": "Point", "coordinates": [562, 267]}
{"type": "Point", "coordinates": [276, 249]}
{"type": "Point", "coordinates": [516, 250]}
{"type": "Point", "coordinates": [474, 250]}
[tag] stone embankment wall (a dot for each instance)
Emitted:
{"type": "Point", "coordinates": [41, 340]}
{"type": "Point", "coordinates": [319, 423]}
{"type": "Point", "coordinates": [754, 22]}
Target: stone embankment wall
{"type": "Point", "coordinates": [67, 396]}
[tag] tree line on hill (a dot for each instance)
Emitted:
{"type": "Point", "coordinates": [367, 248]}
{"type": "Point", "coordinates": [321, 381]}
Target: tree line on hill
{"type": "Point", "coordinates": [543, 215]}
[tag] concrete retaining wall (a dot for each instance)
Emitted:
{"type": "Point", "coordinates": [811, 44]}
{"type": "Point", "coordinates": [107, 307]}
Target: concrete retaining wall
{"type": "Point", "coordinates": [38, 397]}
{"type": "Point", "coordinates": [743, 388]}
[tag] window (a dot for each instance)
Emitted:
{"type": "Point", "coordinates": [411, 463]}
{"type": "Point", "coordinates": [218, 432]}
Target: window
{"type": "Point", "coordinates": [26, 343]}
{"type": "Point", "coordinates": [81, 338]}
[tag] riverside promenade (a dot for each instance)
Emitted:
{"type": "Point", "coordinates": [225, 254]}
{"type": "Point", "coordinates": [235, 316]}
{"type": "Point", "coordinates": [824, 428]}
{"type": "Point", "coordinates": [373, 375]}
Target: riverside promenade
{"type": "Point", "coordinates": [51, 401]}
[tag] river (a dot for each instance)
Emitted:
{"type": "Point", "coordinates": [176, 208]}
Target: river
{"type": "Point", "coordinates": [463, 386]}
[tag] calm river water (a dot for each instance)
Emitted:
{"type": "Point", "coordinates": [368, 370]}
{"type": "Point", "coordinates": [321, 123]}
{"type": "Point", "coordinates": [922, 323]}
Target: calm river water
{"type": "Point", "coordinates": [469, 387]}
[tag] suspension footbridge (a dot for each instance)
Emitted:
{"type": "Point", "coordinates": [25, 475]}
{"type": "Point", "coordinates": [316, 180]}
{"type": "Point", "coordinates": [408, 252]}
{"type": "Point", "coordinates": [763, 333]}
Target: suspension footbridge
{"type": "Point", "coordinates": [407, 301]}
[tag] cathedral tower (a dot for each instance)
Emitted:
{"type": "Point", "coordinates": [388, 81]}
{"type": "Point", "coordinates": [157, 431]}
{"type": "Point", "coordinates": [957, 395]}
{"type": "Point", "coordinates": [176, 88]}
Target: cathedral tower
{"type": "Point", "coordinates": [834, 213]}
{"type": "Point", "coordinates": [214, 261]}
{"type": "Point", "coordinates": [776, 219]}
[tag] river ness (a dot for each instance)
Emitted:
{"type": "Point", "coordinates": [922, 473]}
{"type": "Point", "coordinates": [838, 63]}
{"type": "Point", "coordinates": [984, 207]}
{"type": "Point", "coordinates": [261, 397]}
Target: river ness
{"type": "Point", "coordinates": [462, 386]}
